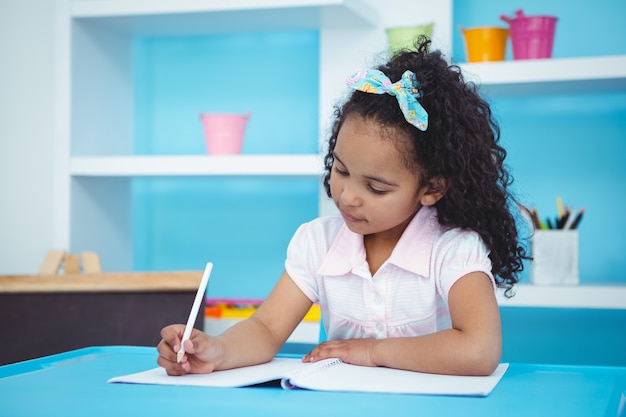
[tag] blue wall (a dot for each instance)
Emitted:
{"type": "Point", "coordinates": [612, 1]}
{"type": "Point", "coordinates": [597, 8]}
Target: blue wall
{"type": "Point", "coordinates": [243, 224]}
{"type": "Point", "coordinates": [583, 28]}
{"type": "Point", "coordinates": [266, 73]}
{"type": "Point", "coordinates": [574, 145]}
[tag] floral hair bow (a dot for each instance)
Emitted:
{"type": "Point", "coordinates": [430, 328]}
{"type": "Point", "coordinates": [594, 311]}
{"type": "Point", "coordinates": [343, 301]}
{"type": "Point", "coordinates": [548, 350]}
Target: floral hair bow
{"type": "Point", "coordinates": [406, 91]}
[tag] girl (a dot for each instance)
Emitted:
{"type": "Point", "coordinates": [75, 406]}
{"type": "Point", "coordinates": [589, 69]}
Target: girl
{"type": "Point", "coordinates": [405, 277]}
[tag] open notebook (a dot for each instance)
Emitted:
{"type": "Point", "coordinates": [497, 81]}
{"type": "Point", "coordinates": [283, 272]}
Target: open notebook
{"type": "Point", "coordinates": [329, 375]}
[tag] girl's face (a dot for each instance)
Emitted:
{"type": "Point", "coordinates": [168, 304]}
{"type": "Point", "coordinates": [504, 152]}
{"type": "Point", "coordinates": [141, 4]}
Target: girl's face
{"type": "Point", "coordinates": [370, 184]}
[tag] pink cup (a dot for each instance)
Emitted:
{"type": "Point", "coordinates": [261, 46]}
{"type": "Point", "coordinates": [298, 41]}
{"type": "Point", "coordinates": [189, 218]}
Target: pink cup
{"type": "Point", "coordinates": [532, 37]}
{"type": "Point", "coordinates": [224, 133]}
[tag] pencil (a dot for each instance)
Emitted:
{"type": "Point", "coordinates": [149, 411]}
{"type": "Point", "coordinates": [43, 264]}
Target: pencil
{"type": "Point", "coordinates": [535, 215]}
{"type": "Point", "coordinates": [577, 219]}
{"type": "Point", "coordinates": [194, 310]}
{"type": "Point", "coordinates": [560, 224]}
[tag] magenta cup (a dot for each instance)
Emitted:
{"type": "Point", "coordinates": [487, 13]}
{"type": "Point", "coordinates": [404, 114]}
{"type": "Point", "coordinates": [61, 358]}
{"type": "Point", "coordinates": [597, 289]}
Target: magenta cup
{"type": "Point", "coordinates": [532, 37]}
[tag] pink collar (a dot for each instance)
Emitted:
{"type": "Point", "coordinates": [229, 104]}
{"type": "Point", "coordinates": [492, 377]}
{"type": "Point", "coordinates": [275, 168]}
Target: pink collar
{"type": "Point", "coordinates": [413, 251]}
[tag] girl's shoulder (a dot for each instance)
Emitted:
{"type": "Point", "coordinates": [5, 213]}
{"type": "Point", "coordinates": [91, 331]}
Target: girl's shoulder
{"type": "Point", "coordinates": [314, 239]}
{"type": "Point", "coordinates": [426, 225]}
{"type": "Point", "coordinates": [456, 238]}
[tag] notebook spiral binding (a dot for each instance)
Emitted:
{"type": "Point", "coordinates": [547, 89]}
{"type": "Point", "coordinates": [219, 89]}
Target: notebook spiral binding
{"type": "Point", "coordinates": [307, 371]}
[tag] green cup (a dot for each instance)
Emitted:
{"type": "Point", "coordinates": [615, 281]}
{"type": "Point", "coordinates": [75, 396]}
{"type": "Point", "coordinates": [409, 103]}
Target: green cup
{"type": "Point", "coordinates": [404, 37]}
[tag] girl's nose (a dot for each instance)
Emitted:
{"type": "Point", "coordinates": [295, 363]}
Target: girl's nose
{"type": "Point", "coordinates": [349, 197]}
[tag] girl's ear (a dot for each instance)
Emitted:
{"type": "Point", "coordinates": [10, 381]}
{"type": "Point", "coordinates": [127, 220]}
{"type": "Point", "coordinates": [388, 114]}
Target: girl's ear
{"type": "Point", "coordinates": [435, 189]}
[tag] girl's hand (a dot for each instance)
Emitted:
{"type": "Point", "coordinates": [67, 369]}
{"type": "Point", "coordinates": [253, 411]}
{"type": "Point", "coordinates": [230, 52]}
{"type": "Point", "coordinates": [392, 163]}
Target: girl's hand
{"type": "Point", "coordinates": [201, 351]}
{"type": "Point", "coordinates": [352, 351]}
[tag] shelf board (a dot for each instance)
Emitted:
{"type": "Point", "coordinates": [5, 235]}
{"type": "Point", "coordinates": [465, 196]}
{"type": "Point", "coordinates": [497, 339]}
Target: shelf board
{"type": "Point", "coordinates": [581, 296]}
{"type": "Point", "coordinates": [197, 165]}
{"type": "Point", "coordinates": [549, 76]}
{"type": "Point", "coordinates": [188, 17]}
{"type": "Point", "coordinates": [174, 281]}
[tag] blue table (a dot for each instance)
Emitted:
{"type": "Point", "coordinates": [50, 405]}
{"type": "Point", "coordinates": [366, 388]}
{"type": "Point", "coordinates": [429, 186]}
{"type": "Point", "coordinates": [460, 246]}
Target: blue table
{"type": "Point", "coordinates": [75, 384]}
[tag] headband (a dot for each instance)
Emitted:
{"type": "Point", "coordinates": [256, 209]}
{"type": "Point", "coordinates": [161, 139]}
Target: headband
{"type": "Point", "coordinates": [406, 91]}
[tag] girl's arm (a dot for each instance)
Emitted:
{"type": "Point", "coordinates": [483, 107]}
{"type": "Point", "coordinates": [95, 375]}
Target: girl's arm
{"type": "Point", "coordinates": [473, 346]}
{"type": "Point", "coordinates": [249, 342]}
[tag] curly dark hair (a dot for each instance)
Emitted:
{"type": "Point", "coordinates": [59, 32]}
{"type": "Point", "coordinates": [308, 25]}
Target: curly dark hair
{"type": "Point", "coordinates": [460, 145]}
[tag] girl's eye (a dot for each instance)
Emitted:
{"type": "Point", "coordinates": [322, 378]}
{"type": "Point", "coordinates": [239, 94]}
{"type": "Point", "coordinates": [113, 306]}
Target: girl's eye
{"type": "Point", "coordinates": [341, 172]}
{"type": "Point", "coordinates": [376, 190]}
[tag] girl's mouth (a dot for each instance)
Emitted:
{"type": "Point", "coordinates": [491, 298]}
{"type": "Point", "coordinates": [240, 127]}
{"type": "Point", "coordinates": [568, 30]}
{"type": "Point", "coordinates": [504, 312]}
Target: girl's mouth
{"type": "Point", "coordinates": [349, 218]}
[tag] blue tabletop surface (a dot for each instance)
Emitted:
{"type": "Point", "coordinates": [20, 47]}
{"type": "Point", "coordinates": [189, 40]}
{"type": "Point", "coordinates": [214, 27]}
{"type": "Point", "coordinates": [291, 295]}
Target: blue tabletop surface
{"type": "Point", "coordinates": [75, 384]}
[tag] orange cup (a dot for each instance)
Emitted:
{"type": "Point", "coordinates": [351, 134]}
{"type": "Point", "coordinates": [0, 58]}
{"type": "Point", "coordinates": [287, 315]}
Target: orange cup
{"type": "Point", "coordinates": [485, 43]}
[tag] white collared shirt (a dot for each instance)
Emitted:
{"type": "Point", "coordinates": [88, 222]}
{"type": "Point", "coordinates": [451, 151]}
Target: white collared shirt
{"type": "Point", "coordinates": [408, 294]}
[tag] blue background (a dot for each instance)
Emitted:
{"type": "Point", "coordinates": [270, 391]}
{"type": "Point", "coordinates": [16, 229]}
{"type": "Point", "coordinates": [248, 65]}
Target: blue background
{"type": "Point", "coordinates": [242, 224]}
{"type": "Point", "coordinates": [572, 146]}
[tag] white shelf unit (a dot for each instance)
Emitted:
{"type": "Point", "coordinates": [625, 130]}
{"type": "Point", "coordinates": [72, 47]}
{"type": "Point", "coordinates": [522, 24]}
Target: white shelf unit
{"type": "Point", "coordinates": [610, 297]}
{"type": "Point", "coordinates": [94, 67]}
{"type": "Point", "coordinates": [549, 76]}
{"type": "Point", "coordinates": [95, 161]}
{"type": "Point", "coordinates": [167, 17]}
{"type": "Point", "coordinates": [197, 165]}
